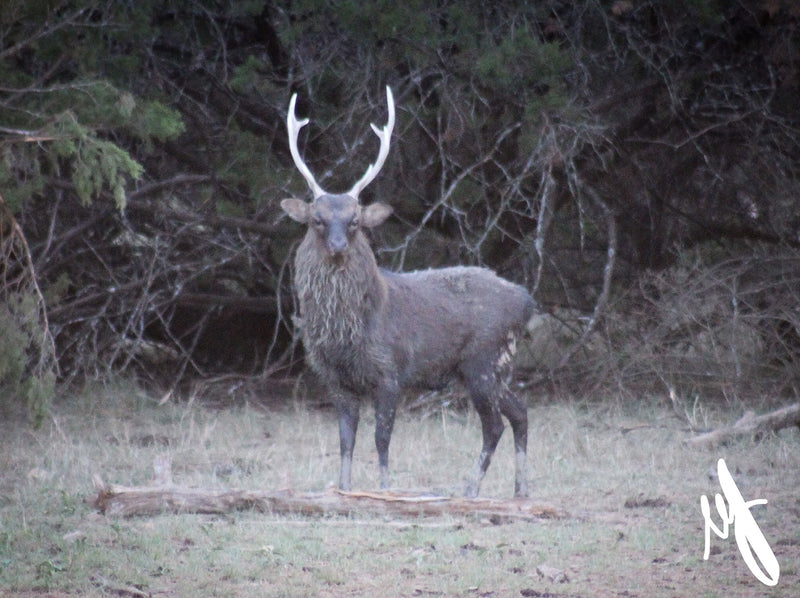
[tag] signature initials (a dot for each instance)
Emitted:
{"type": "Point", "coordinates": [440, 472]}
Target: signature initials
{"type": "Point", "coordinates": [749, 539]}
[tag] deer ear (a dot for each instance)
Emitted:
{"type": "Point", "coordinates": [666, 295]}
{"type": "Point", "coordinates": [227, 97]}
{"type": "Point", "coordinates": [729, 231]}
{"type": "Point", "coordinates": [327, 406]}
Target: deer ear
{"type": "Point", "coordinates": [375, 214]}
{"type": "Point", "coordinates": [297, 209]}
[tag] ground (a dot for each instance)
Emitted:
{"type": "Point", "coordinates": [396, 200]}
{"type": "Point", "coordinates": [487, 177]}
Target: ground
{"type": "Point", "coordinates": [622, 474]}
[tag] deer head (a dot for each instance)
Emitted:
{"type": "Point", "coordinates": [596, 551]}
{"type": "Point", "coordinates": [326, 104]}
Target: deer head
{"type": "Point", "coordinates": [337, 218]}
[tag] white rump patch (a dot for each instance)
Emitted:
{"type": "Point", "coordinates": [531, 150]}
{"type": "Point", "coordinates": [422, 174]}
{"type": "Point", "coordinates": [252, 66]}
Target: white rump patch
{"type": "Point", "coordinates": [507, 355]}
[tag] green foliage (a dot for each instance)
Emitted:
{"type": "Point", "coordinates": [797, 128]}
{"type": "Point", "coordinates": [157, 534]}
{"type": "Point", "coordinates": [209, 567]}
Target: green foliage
{"type": "Point", "coordinates": [77, 119]}
{"type": "Point", "coordinates": [38, 392]}
{"type": "Point", "coordinates": [228, 208]}
{"type": "Point", "coordinates": [20, 174]}
{"type": "Point", "coordinates": [47, 571]}
{"type": "Point", "coordinates": [386, 19]}
{"type": "Point", "coordinates": [154, 120]}
{"type": "Point", "coordinates": [12, 349]}
{"type": "Point", "coordinates": [624, 105]}
{"type": "Point", "coordinates": [253, 76]}
{"type": "Point", "coordinates": [522, 64]}
{"type": "Point", "coordinates": [22, 335]}
{"type": "Point", "coordinates": [56, 291]}
{"type": "Point", "coordinates": [96, 163]}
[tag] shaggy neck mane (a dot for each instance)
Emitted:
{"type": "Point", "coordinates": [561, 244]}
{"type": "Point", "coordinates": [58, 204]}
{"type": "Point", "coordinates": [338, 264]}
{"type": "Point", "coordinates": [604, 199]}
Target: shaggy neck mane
{"type": "Point", "coordinates": [337, 300]}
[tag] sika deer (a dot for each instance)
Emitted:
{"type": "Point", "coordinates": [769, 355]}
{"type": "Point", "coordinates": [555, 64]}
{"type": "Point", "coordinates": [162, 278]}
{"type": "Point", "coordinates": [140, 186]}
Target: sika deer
{"type": "Point", "coordinates": [369, 332]}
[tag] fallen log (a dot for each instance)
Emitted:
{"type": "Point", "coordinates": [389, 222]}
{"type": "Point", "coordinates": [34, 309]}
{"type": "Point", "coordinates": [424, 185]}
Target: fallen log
{"type": "Point", "coordinates": [751, 425]}
{"type": "Point", "coordinates": [127, 501]}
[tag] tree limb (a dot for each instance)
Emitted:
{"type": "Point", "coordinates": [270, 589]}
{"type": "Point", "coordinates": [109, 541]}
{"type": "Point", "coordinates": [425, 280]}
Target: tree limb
{"type": "Point", "coordinates": [751, 425]}
{"type": "Point", "coordinates": [149, 500]}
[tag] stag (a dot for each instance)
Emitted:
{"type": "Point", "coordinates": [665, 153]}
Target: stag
{"type": "Point", "coordinates": [369, 332]}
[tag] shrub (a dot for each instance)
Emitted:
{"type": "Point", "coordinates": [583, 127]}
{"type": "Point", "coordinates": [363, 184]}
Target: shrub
{"type": "Point", "coordinates": [24, 375]}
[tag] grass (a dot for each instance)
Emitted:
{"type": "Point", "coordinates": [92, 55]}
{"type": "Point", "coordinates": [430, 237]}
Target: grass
{"type": "Point", "coordinates": [587, 460]}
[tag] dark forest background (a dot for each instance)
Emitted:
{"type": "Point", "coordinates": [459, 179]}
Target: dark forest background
{"type": "Point", "coordinates": [636, 164]}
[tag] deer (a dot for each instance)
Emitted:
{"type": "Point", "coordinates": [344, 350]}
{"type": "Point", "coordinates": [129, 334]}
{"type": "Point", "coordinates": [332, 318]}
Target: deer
{"type": "Point", "coordinates": [368, 332]}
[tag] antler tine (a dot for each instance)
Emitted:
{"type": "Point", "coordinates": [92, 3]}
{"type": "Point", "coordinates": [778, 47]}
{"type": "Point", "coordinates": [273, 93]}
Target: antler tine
{"type": "Point", "coordinates": [293, 126]}
{"type": "Point", "coordinates": [384, 135]}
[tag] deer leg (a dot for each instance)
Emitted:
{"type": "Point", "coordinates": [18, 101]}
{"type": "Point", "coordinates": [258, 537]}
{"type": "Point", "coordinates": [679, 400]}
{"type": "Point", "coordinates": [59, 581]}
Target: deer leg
{"type": "Point", "coordinates": [347, 406]}
{"type": "Point", "coordinates": [385, 407]}
{"type": "Point", "coordinates": [517, 413]}
{"type": "Point", "coordinates": [484, 398]}
{"type": "Point", "coordinates": [492, 426]}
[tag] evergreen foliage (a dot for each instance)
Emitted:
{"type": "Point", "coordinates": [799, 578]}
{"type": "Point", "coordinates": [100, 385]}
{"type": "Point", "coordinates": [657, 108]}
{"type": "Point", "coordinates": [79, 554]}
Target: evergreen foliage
{"type": "Point", "coordinates": [580, 148]}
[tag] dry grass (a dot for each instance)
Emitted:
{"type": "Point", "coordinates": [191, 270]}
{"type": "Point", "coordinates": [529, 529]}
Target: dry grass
{"type": "Point", "coordinates": [587, 460]}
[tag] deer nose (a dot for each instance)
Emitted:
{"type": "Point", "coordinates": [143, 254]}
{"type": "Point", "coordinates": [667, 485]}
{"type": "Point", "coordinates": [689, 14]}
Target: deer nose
{"type": "Point", "coordinates": [337, 242]}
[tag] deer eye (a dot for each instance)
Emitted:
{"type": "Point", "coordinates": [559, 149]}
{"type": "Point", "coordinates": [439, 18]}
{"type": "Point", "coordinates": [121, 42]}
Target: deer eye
{"type": "Point", "coordinates": [317, 222]}
{"type": "Point", "coordinates": [354, 224]}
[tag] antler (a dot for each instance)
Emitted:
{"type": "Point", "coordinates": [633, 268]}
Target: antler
{"type": "Point", "coordinates": [293, 126]}
{"type": "Point", "coordinates": [384, 135]}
